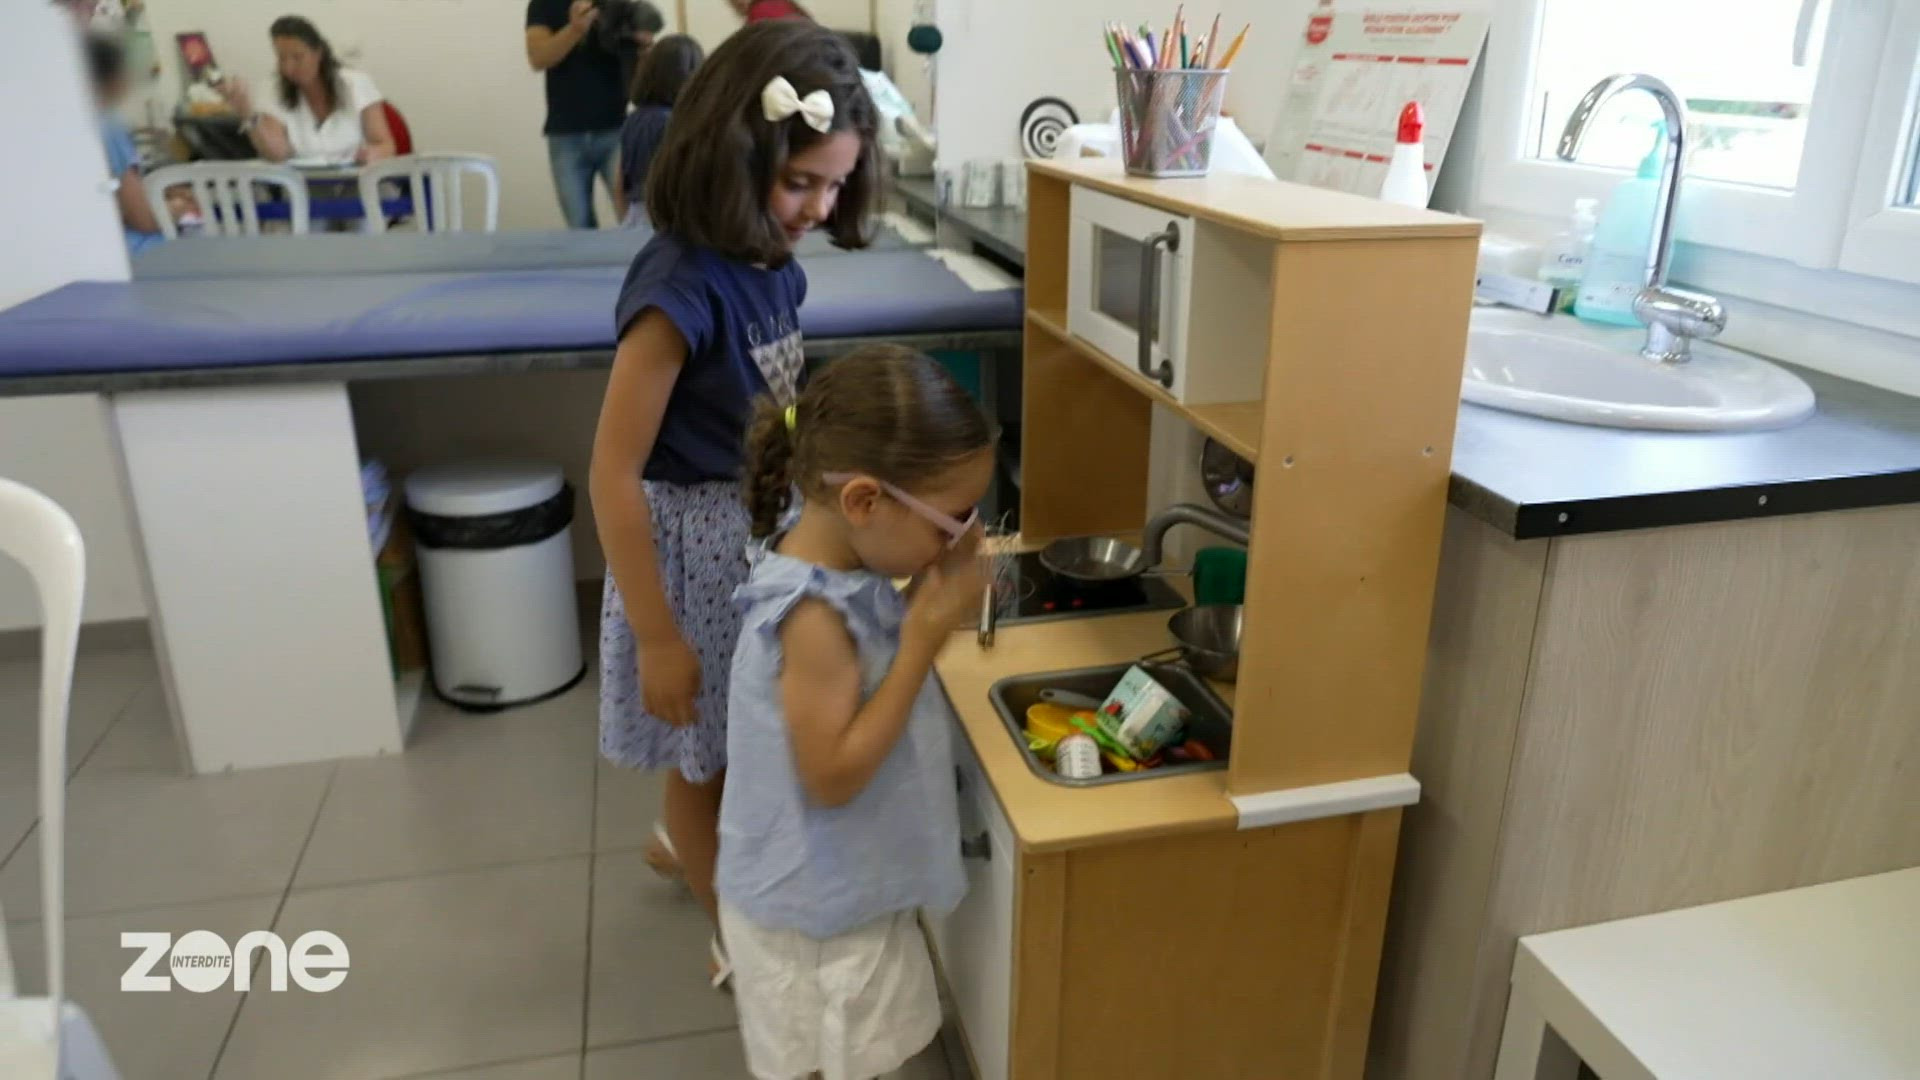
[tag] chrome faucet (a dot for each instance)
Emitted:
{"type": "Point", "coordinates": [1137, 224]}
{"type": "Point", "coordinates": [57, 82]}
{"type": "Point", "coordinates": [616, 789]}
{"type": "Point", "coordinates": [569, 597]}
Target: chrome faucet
{"type": "Point", "coordinates": [1153, 549]}
{"type": "Point", "coordinates": [1153, 543]}
{"type": "Point", "coordinates": [1673, 317]}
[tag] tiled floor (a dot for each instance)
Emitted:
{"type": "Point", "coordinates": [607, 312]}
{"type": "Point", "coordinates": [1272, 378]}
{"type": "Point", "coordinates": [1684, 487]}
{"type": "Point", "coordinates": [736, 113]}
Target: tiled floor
{"type": "Point", "coordinates": [487, 883]}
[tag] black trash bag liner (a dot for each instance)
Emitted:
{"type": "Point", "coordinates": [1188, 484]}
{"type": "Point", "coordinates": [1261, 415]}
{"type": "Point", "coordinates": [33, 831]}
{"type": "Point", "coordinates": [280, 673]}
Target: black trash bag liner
{"type": "Point", "coordinates": [513, 528]}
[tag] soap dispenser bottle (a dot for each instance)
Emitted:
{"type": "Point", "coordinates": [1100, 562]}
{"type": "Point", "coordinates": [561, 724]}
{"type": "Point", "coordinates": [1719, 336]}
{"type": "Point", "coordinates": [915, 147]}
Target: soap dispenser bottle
{"type": "Point", "coordinates": [1616, 268]}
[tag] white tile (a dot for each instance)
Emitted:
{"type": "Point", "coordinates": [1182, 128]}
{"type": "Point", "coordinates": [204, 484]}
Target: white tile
{"type": "Point", "coordinates": [714, 1056]}
{"type": "Point", "coordinates": [628, 803]}
{"type": "Point", "coordinates": [137, 840]}
{"type": "Point", "coordinates": [649, 958]}
{"type": "Point", "coordinates": [152, 1036]}
{"type": "Point", "coordinates": [563, 1067]}
{"type": "Point", "coordinates": [19, 809]}
{"type": "Point", "coordinates": [141, 741]}
{"type": "Point", "coordinates": [470, 791]}
{"type": "Point", "coordinates": [447, 971]}
{"type": "Point", "coordinates": [104, 681]}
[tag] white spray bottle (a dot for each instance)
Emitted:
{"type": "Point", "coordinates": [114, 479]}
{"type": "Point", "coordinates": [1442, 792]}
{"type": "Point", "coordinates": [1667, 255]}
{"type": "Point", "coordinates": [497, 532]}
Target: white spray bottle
{"type": "Point", "coordinates": [1406, 181]}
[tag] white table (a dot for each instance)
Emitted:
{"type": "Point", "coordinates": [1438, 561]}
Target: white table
{"type": "Point", "coordinates": [1807, 984]}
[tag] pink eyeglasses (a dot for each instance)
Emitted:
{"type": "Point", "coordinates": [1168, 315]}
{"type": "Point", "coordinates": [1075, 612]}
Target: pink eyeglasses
{"type": "Point", "coordinates": [955, 528]}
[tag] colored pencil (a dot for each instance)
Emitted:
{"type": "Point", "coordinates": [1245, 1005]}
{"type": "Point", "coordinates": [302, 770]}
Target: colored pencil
{"type": "Point", "coordinates": [1238, 40]}
{"type": "Point", "coordinates": [1212, 35]}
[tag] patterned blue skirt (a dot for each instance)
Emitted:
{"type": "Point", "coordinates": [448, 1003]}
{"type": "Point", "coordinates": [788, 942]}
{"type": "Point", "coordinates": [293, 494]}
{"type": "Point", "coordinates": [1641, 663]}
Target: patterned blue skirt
{"type": "Point", "coordinates": [700, 531]}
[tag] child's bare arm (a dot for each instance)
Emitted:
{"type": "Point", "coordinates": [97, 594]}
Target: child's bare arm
{"type": "Point", "coordinates": [645, 367]}
{"type": "Point", "coordinates": [838, 740]}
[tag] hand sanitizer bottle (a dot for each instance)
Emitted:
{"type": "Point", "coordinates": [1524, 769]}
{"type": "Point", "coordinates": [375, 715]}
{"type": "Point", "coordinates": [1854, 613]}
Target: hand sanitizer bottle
{"type": "Point", "coordinates": [1616, 267]}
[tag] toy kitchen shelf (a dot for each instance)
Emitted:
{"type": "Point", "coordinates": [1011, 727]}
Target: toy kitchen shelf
{"type": "Point", "coordinates": [1235, 915]}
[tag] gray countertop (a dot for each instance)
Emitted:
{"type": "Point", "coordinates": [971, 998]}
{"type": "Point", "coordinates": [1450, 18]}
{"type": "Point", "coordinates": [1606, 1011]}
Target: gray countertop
{"type": "Point", "coordinates": [1002, 230]}
{"type": "Point", "coordinates": [1532, 477]}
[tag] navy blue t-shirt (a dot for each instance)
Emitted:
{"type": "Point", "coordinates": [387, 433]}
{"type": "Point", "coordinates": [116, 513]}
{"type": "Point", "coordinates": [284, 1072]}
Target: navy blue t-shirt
{"type": "Point", "coordinates": [742, 325]}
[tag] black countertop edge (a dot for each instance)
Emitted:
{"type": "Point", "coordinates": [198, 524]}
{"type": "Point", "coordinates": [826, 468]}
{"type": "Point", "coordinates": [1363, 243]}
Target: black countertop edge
{"type": "Point", "coordinates": [413, 367]}
{"type": "Point", "coordinates": [1535, 521]}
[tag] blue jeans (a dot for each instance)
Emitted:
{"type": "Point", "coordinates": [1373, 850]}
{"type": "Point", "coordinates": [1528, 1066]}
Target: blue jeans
{"type": "Point", "coordinates": [576, 158]}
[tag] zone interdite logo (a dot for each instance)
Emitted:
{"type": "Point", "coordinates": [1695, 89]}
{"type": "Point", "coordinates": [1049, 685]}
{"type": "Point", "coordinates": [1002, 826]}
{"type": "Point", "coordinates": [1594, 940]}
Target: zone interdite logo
{"type": "Point", "coordinates": [200, 961]}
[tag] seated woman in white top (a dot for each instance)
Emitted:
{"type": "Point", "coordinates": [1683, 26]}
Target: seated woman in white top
{"type": "Point", "coordinates": [319, 111]}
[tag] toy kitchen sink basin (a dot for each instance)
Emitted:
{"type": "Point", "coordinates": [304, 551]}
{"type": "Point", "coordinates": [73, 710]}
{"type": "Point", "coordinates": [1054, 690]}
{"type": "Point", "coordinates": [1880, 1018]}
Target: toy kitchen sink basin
{"type": "Point", "coordinates": [1211, 720]}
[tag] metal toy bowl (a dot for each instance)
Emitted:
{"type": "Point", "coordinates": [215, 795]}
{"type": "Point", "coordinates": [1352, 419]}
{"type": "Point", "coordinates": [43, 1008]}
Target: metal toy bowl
{"type": "Point", "coordinates": [1093, 560]}
{"type": "Point", "coordinates": [1209, 637]}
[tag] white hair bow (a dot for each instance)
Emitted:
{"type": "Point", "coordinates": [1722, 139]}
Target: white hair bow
{"type": "Point", "coordinates": [779, 100]}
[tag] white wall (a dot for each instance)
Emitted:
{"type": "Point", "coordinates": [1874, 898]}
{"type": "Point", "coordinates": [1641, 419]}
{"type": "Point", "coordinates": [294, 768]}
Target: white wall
{"type": "Point", "coordinates": [908, 70]}
{"type": "Point", "coordinates": [60, 226]}
{"type": "Point", "coordinates": [1001, 54]}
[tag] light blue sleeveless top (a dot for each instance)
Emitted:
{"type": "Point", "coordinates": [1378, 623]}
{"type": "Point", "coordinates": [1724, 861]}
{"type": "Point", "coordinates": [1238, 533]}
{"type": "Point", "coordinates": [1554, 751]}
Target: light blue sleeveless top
{"type": "Point", "coordinates": [788, 863]}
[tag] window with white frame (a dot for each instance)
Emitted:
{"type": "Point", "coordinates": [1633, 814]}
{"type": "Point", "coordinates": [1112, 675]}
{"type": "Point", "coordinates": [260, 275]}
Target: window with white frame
{"type": "Point", "coordinates": [1804, 142]}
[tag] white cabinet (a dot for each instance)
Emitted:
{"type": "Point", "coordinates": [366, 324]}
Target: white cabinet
{"type": "Point", "coordinates": [975, 942]}
{"type": "Point", "coordinates": [1183, 303]}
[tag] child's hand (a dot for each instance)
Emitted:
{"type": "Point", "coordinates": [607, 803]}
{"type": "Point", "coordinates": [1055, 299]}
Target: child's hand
{"type": "Point", "coordinates": [669, 680]}
{"type": "Point", "coordinates": [947, 597]}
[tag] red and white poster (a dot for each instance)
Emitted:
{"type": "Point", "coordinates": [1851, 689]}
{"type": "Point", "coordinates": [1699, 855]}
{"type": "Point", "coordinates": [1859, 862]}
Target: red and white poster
{"type": "Point", "coordinates": [1357, 66]}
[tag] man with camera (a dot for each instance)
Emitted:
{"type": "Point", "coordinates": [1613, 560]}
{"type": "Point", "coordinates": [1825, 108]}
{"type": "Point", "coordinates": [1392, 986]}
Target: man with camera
{"type": "Point", "coordinates": [588, 49]}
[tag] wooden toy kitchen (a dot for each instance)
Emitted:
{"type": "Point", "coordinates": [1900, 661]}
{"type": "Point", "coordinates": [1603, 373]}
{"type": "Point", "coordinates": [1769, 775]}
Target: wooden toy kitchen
{"type": "Point", "coordinates": [1218, 919]}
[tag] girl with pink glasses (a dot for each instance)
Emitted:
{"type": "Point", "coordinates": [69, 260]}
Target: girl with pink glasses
{"type": "Point", "coordinates": [839, 820]}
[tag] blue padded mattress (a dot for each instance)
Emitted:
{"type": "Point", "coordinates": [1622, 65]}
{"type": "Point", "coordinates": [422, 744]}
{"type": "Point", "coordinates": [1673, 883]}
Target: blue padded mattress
{"type": "Point", "coordinates": [405, 252]}
{"type": "Point", "coordinates": [97, 327]}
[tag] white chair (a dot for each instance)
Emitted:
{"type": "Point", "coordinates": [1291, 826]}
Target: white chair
{"type": "Point", "coordinates": [435, 183]}
{"type": "Point", "coordinates": [225, 192]}
{"type": "Point", "coordinates": [50, 1038]}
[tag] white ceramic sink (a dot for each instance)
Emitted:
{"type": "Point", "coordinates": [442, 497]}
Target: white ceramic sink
{"type": "Point", "coordinates": [1564, 369]}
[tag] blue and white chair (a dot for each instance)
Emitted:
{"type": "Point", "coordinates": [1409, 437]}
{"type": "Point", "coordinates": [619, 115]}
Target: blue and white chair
{"type": "Point", "coordinates": [49, 1038]}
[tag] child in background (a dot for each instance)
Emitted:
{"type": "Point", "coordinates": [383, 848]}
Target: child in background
{"type": "Point", "coordinates": [772, 138]}
{"type": "Point", "coordinates": [839, 821]}
{"type": "Point", "coordinates": [107, 67]}
{"type": "Point", "coordinates": [657, 82]}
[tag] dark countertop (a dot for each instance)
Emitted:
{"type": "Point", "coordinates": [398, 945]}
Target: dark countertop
{"type": "Point", "coordinates": [1002, 231]}
{"type": "Point", "coordinates": [1531, 477]}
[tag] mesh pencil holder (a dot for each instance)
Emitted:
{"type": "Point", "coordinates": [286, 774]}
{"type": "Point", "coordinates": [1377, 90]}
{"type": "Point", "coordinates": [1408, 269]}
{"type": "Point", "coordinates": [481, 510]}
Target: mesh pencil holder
{"type": "Point", "coordinates": [1167, 119]}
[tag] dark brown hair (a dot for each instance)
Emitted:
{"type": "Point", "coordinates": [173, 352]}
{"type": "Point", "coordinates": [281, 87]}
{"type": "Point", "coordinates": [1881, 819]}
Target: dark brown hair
{"type": "Point", "coordinates": [718, 163]}
{"type": "Point", "coordinates": [106, 61]}
{"type": "Point", "coordinates": [664, 70]}
{"type": "Point", "coordinates": [304, 32]}
{"type": "Point", "coordinates": [882, 410]}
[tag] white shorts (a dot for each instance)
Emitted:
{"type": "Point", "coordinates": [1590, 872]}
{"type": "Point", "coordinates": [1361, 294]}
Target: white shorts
{"type": "Point", "coordinates": [850, 1007]}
